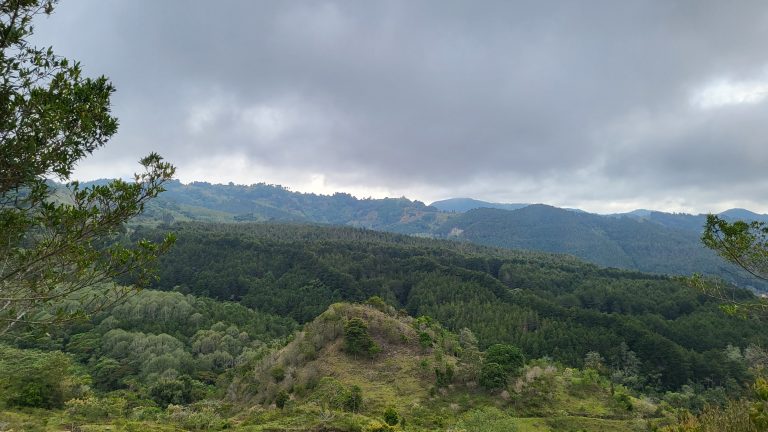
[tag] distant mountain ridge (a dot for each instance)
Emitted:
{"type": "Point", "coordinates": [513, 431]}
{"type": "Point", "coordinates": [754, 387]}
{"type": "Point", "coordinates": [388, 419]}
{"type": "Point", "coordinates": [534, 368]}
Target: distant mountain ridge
{"type": "Point", "coordinates": [461, 205]}
{"type": "Point", "coordinates": [621, 242]}
{"type": "Point", "coordinates": [643, 240]}
{"type": "Point", "coordinates": [264, 202]}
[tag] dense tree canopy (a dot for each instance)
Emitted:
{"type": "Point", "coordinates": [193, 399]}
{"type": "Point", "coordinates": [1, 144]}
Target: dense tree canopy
{"type": "Point", "coordinates": [547, 305]}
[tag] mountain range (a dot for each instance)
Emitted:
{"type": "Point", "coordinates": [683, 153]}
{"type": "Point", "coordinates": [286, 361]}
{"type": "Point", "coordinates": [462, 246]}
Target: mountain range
{"type": "Point", "coordinates": [644, 240]}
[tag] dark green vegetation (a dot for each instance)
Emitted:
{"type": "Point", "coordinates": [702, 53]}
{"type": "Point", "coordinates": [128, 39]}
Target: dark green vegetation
{"type": "Point", "coordinates": [624, 242]}
{"type": "Point", "coordinates": [253, 329]}
{"type": "Point", "coordinates": [606, 348]}
{"type": "Point", "coordinates": [646, 241]}
{"type": "Point", "coordinates": [546, 305]}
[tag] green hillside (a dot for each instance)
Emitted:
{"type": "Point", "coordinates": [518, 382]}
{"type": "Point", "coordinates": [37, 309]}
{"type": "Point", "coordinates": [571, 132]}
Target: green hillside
{"type": "Point", "coordinates": [549, 305]}
{"type": "Point", "coordinates": [262, 202]}
{"type": "Point", "coordinates": [417, 377]}
{"type": "Point", "coordinates": [422, 377]}
{"type": "Point", "coordinates": [621, 242]}
{"type": "Point", "coordinates": [646, 241]}
{"type": "Point", "coordinates": [251, 332]}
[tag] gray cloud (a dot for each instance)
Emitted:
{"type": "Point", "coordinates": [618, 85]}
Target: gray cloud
{"type": "Point", "coordinates": [590, 104]}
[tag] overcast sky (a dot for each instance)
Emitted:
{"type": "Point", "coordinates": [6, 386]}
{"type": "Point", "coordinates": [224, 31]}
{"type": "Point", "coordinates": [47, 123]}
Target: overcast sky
{"type": "Point", "coordinates": [602, 105]}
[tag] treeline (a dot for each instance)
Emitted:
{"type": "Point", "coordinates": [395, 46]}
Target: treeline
{"type": "Point", "coordinates": [548, 305]}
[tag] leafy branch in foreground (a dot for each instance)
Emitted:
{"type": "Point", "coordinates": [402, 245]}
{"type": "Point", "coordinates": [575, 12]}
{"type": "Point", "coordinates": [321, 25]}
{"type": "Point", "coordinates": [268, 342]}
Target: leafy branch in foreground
{"type": "Point", "coordinates": [744, 244]}
{"type": "Point", "coordinates": [56, 242]}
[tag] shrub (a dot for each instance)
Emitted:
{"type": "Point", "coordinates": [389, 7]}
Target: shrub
{"type": "Point", "coordinates": [108, 373]}
{"type": "Point", "coordinates": [486, 420]}
{"type": "Point", "coordinates": [377, 426]}
{"type": "Point", "coordinates": [493, 376]}
{"type": "Point", "coordinates": [734, 416]}
{"type": "Point", "coordinates": [201, 418]}
{"type": "Point", "coordinates": [331, 393]}
{"type": "Point", "coordinates": [624, 401]}
{"type": "Point", "coordinates": [444, 377]}
{"type": "Point", "coordinates": [92, 408]}
{"type": "Point", "coordinates": [281, 398]}
{"type": "Point", "coordinates": [391, 417]}
{"type": "Point", "coordinates": [277, 373]}
{"type": "Point", "coordinates": [177, 391]}
{"type": "Point", "coordinates": [378, 303]}
{"type": "Point", "coordinates": [425, 340]}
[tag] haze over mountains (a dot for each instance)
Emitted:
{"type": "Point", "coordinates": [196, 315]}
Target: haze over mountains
{"type": "Point", "coordinates": [644, 240]}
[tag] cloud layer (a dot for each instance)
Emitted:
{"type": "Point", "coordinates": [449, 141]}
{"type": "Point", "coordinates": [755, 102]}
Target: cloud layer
{"type": "Point", "coordinates": [602, 105]}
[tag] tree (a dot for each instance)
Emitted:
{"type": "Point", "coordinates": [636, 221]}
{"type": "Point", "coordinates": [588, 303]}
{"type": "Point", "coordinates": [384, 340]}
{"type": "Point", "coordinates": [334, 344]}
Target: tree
{"type": "Point", "coordinates": [593, 360]}
{"type": "Point", "coordinates": [357, 340]}
{"type": "Point", "coordinates": [58, 248]}
{"type": "Point", "coordinates": [744, 244]}
{"type": "Point", "coordinates": [509, 357]}
{"type": "Point", "coordinates": [353, 399]}
{"type": "Point", "coordinates": [36, 378]}
{"type": "Point", "coordinates": [493, 376]}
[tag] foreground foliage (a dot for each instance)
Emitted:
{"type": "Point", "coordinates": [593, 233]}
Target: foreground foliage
{"type": "Point", "coordinates": [56, 243]}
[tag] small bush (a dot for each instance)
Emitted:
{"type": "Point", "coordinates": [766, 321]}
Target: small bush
{"type": "Point", "coordinates": [486, 420]}
{"type": "Point", "coordinates": [204, 418]}
{"type": "Point", "coordinates": [378, 303]}
{"type": "Point", "coordinates": [92, 408]}
{"type": "Point", "coordinates": [391, 417]}
{"type": "Point", "coordinates": [444, 377]}
{"type": "Point", "coordinates": [281, 398]}
{"type": "Point", "coordinates": [377, 426]}
{"type": "Point", "coordinates": [624, 401]}
{"type": "Point", "coordinates": [425, 340]}
{"type": "Point", "coordinates": [37, 379]}
{"type": "Point", "coordinates": [177, 391]}
{"type": "Point", "coordinates": [277, 373]}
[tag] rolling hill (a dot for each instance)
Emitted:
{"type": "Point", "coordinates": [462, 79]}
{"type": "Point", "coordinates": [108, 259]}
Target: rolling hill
{"type": "Point", "coordinates": [461, 205]}
{"type": "Point", "coordinates": [253, 328]}
{"type": "Point", "coordinates": [621, 242]}
{"type": "Point", "coordinates": [642, 240]}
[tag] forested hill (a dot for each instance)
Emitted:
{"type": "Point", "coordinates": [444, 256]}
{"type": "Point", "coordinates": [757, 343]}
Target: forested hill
{"type": "Point", "coordinates": [460, 205]}
{"type": "Point", "coordinates": [200, 201]}
{"type": "Point", "coordinates": [645, 240]}
{"type": "Point", "coordinates": [623, 242]}
{"type": "Point", "coordinates": [549, 305]}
